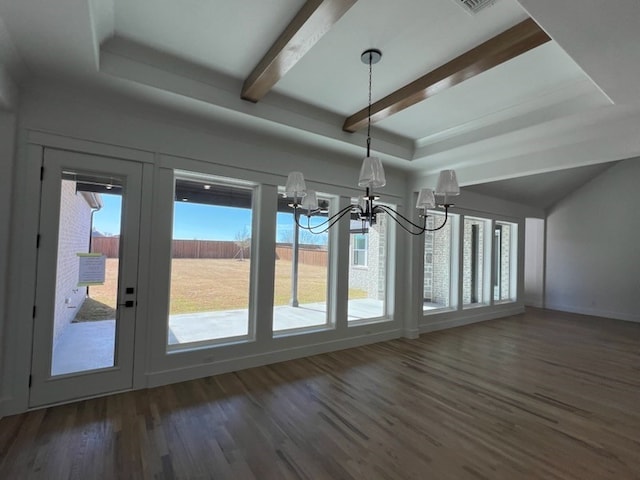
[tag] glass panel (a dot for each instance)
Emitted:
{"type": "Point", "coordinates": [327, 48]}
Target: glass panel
{"type": "Point", "coordinates": [211, 260]}
{"type": "Point", "coordinates": [368, 270]}
{"type": "Point", "coordinates": [503, 237]}
{"type": "Point", "coordinates": [437, 264]}
{"type": "Point", "coordinates": [473, 274]}
{"type": "Point", "coordinates": [84, 329]}
{"type": "Point", "coordinates": [302, 272]}
{"type": "Point", "coordinates": [359, 250]}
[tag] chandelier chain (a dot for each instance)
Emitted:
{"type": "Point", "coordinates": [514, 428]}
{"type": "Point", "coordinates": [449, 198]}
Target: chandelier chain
{"type": "Point", "coordinates": [369, 108]}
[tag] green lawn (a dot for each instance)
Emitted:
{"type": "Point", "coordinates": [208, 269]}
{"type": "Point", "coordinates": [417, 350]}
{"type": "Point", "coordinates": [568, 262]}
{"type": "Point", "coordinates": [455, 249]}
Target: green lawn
{"type": "Point", "coordinates": [201, 285]}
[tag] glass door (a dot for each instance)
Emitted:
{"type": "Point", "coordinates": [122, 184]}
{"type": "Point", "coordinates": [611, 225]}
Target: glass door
{"type": "Point", "coordinates": [85, 306]}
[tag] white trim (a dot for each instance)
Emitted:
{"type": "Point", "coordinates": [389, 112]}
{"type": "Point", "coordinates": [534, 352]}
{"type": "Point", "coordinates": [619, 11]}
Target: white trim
{"type": "Point", "coordinates": [594, 312]}
{"type": "Point", "coordinates": [181, 374]}
{"type": "Point", "coordinates": [62, 142]}
{"type": "Point", "coordinates": [229, 173]}
{"type": "Point", "coordinates": [411, 333]}
{"type": "Point", "coordinates": [22, 268]}
{"type": "Point", "coordinates": [459, 320]}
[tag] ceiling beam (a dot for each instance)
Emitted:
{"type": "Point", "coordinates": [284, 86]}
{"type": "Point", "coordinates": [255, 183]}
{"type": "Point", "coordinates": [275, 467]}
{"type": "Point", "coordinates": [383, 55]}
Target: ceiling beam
{"type": "Point", "coordinates": [314, 19]}
{"type": "Point", "coordinates": [503, 47]}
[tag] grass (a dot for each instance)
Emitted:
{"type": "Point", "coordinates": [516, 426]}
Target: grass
{"type": "Point", "coordinates": [201, 285]}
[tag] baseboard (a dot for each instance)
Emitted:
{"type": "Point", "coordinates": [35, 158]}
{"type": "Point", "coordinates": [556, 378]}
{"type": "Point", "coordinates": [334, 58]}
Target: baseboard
{"type": "Point", "coordinates": [5, 407]}
{"type": "Point", "coordinates": [411, 333]}
{"type": "Point", "coordinates": [533, 302]}
{"type": "Point", "coordinates": [192, 372]}
{"type": "Point", "coordinates": [468, 317]}
{"type": "Point", "coordinates": [594, 312]}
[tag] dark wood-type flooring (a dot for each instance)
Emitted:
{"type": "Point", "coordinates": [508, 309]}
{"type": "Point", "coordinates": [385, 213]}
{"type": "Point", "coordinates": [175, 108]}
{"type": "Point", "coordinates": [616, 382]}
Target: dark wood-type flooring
{"type": "Point", "coordinates": [541, 395]}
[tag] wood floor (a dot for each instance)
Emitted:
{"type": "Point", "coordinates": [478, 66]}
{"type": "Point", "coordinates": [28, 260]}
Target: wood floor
{"type": "Point", "coordinates": [541, 395]}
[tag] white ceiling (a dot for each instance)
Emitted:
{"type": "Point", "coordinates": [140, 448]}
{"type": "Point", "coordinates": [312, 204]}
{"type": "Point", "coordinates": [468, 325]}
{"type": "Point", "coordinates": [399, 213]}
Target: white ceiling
{"type": "Point", "coordinates": [507, 122]}
{"type": "Point", "coordinates": [542, 190]}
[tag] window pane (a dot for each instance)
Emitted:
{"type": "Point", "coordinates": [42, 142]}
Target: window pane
{"type": "Point", "coordinates": [359, 250]}
{"type": "Point", "coordinates": [474, 251]}
{"type": "Point", "coordinates": [301, 276]}
{"type": "Point", "coordinates": [437, 264]}
{"type": "Point", "coordinates": [504, 236]}
{"type": "Point", "coordinates": [368, 270]}
{"type": "Point", "coordinates": [210, 262]}
{"type": "Point", "coordinates": [85, 316]}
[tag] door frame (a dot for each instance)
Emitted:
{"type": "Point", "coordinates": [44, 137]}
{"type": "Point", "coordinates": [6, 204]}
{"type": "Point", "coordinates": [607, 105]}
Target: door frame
{"type": "Point", "coordinates": [47, 388]}
{"type": "Point", "coordinates": [18, 330]}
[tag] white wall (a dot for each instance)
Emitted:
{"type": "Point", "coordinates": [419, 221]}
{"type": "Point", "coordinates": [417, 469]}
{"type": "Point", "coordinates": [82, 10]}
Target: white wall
{"type": "Point", "coordinates": [164, 139]}
{"type": "Point", "coordinates": [593, 247]}
{"type": "Point", "coordinates": [534, 262]}
{"type": "Point", "coordinates": [129, 122]}
{"type": "Point", "coordinates": [7, 141]}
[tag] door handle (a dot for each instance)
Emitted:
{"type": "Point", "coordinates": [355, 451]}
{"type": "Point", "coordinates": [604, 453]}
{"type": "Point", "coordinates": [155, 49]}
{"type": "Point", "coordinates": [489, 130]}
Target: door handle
{"type": "Point", "coordinates": [127, 304]}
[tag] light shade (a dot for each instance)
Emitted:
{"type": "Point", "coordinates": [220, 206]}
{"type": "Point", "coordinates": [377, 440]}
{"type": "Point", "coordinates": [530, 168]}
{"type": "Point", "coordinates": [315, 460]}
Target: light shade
{"type": "Point", "coordinates": [310, 201]}
{"type": "Point", "coordinates": [295, 185]}
{"type": "Point", "coordinates": [447, 183]}
{"type": "Point", "coordinates": [426, 199]}
{"type": "Point", "coordinates": [372, 173]}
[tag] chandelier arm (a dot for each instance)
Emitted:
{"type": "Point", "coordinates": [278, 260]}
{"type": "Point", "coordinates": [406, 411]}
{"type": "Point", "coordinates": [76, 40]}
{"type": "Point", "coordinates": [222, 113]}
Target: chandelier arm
{"type": "Point", "coordinates": [396, 214]}
{"type": "Point", "coordinates": [328, 220]}
{"type": "Point", "coordinates": [423, 228]}
{"type": "Point", "coordinates": [444, 222]}
{"type": "Point", "coordinates": [315, 231]}
{"type": "Point", "coordinates": [404, 224]}
{"type": "Point", "coordinates": [324, 226]}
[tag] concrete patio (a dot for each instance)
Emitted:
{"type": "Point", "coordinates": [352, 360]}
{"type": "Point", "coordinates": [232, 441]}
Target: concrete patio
{"type": "Point", "coordinates": [86, 346]}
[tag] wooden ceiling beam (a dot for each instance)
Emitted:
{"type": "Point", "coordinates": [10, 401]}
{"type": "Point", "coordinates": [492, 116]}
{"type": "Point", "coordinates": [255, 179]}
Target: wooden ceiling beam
{"type": "Point", "coordinates": [314, 19]}
{"type": "Point", "coordinates": [503, 47]}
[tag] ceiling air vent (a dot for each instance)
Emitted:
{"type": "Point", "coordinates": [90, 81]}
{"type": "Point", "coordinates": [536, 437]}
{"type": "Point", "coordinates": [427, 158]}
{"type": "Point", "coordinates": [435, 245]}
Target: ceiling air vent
{"type": "Point", "coordinates": [474, 6]}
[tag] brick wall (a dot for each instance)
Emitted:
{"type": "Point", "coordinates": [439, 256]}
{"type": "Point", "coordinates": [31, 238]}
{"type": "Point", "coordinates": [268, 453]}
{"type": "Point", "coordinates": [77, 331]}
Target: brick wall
{"type": "Point", "coordinates": [466, 259]}
{"type": "Point", "coordinates": [381, 252]}
{"type": "Point", "coordinates": [505, 261]}
{"type": "Point", "coordinates": [372, 277]}
{"type": "Point", "coordinates": [73, 238]}
{"type": "Point", "coordinates": [437, 262]}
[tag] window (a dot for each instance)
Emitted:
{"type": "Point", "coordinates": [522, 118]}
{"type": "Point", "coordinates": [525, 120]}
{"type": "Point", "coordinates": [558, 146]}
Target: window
{"type": "Point", "coordinates": [474, 257]}
{"type": "Point", "coordinates": [359, 250]}
{"type": "Point", "coordinates": [485, 254]}
{"type": "Point", "coordinates": [437, 263]}
{"type": "Point", "coordinates": [368, 286]}
{"type": "Point", "coordinates": [211, 260]}
{"type": "Point", "coordinates": [302, 270]}
{"type": "Point", "coordinates": [504, 262]}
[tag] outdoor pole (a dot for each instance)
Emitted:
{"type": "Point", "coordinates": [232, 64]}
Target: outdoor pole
{"type": "Point", "coordinates": [294, 264]}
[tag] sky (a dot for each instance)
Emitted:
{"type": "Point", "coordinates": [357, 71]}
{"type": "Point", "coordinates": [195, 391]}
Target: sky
{"type": "Point", "coordinates": [194, 221]}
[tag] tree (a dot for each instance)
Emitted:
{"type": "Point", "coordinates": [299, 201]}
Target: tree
{"type": "Point", "coordinates": [305, 237]}
{"type": "Point", "coordinates": [242, 239]}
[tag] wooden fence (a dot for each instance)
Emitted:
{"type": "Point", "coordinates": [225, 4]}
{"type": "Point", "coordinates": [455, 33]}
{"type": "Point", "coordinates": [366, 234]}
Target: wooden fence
{"type": "Point", "coordinates": [309, 254]}
{"type": "Point", "coordinates": [209, 249]}
{"type": "Point", "coordinates": [108, 246]}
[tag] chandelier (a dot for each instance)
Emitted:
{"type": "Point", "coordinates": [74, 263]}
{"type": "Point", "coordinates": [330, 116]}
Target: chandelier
{"type": "Point", "coordinates": [305, 202]}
